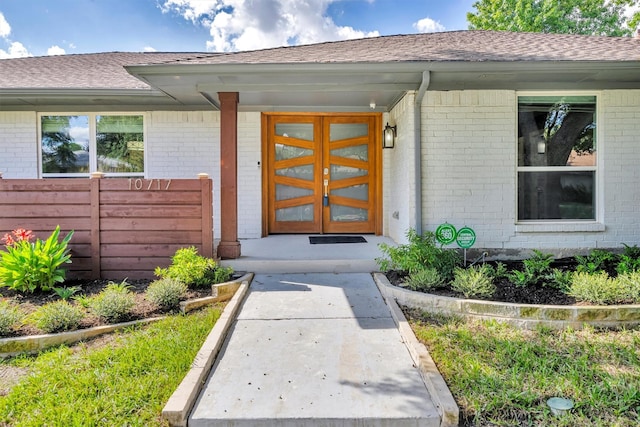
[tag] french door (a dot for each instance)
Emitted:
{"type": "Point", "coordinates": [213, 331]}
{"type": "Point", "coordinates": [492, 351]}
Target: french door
{"type": "Point", "coordinates": [321, 173]}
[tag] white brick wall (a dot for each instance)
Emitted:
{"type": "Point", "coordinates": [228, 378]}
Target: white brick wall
{"type": "Point", "coordinates": [18, 144]}
{"type": "Point", "coordinates": [249, 176]}
{"type": "Point", "coordinates": [469, 175]}
{"type": "Point", "coordinates": [399, 172]}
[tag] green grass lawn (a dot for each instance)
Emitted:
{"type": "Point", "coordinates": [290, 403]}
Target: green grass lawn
{"type": "Point", "coordinates": [124, 382]}
{"type": "Point", "coordinates": [503, 376]}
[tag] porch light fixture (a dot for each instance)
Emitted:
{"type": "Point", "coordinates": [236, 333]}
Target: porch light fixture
{"type": "Point", "coordinates": [389, 136]}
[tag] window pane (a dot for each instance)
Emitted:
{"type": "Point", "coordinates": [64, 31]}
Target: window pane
{"type": "Point", "coordinates": [348, 214]}
{"type": "Point", "coordinates": [302, 131]}
{"type": "Point", "coordinates": [65, 144]}
{"type": "Point", "coordinates": [347, 131]}
{"type": "Point", "coordinates": [296, 213]}
{"type": "Point", "coordinates": [120, 143]}
{"type": "Point", "coordinates": [557, 131]}
{"type": "Point", "coordinates": [556, 195]}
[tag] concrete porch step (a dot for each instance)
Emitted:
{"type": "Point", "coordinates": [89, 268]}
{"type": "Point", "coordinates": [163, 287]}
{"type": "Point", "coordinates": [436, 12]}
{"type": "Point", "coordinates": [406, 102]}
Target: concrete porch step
{"type": "Point", "coordinates": [303, 266]}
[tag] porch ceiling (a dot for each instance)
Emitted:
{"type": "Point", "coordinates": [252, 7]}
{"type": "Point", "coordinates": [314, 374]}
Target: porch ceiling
{"type": "Point", "coordinates": [356, 86]}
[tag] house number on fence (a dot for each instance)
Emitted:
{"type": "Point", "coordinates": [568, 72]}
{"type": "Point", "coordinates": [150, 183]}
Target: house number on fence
{"type": "Point", "coordinates": [140, 184]}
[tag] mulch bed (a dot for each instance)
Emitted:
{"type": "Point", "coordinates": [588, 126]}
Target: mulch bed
{"type": "Point", "coordinates": [506, 291]}
{"type": "Point", "coordinates": [141, 310]}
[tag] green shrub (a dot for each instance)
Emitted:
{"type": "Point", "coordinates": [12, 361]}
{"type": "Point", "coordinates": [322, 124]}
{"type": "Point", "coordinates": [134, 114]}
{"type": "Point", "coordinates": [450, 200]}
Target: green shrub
{"type": "Point", "coordinates": [10, 315]}
{"type": "Point", "coordinates": [596, 288]}
{"type": "Point", "coordinates": [424, 280]}
{"type": "Point", "coordinates": [57, 316]}
{"type": "Point", "coordinates": [420, 253]}
{"type": "Point", "coordinates": [497, 271]}
{"type": "Point", "coordinates": [29, 266]}
{"type": "Point", "coordinates": [597, 260]}
{"type": "Point", "coordinates": [561, 279]}
{"type": "Point", "coordinates": [193, 269]}
{"type": "Point", "coordinates": [629, 283]}
{"type": "Point", "coordinates": [114, 303]}
{"type": "Point", "coordinates": [629, 260]}
{"type": "Point", "coordinates": [166, 292]}
{"type": "Point", "coordinates": [66, 293]}
{"type": "Point", "coordinates": [474, 281]}
{"type": "Point", "coordinates": [536, 270]}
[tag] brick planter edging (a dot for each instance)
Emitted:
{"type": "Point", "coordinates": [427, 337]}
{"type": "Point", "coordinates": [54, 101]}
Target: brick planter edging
{"type": "Point", "coordinates": [526, 316]}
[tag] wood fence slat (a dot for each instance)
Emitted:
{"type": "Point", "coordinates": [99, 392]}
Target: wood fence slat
{"type": "Point", "coordinates": [151, 197]}
{"type": "Point", "coordinates": [182, 238]}
{"type": "Point", "coordinates": [207, 218]}
{"type": "Point", "coordinates": [32, 210]}
{"type": "Point", "coordinates": [39, 197]}
{"type": "Point", "coordinates": [46, 184]}
{"type": "Point", "coordinates": [142, 250]}
{"type": "Point", "coordinates": [95, 227]}
{"type": "Point", "coordinates": [150, 224]}
{"type": "Point", "coordinates": [150, 211]}
{"type": "Point", "coordinates": [45, 223]}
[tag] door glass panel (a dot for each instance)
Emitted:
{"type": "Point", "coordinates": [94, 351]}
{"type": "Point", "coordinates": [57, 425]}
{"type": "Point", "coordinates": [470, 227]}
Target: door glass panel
{"type": "Point", "coordinates": [341, 131]}
{"type": "Point", "coordinates": [348, 214]}
{"type": "Point", "coordinates": [344, 172]}
{"type": "Point", "coordinates": [302, 131]}
{"type": "Point", "coordinates": [296, 213]}
{"type": "Point", "coordinates": [358, 192]}
{"type": "Point", "coordinates": [285, 192]}
{"type": "Point", "coordinates": [356, 152]}
{"type": "Point", "coordinates": [301, 172]}
{"type": "Point", "coordinates": [284, 152]}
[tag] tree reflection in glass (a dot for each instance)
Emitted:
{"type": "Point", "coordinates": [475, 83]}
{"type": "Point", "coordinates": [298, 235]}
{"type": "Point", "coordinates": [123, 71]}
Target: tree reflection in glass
{"type": "Point", "coordinates": [65, 144]}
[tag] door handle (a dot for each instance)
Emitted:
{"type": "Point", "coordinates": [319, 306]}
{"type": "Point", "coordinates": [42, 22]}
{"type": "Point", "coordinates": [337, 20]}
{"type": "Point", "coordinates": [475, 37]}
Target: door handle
{"type": "Point", "coordinates": [325, 199]}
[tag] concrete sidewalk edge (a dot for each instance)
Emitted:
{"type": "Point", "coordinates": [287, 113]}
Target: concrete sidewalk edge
{"type": "Point", "coordinates": [437, 387]}
{"type": "Point", "coordinates": [177, 409]}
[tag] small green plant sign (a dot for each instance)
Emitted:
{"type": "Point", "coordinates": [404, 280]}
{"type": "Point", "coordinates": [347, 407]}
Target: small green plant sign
{"type": "Point", "coordinates": [446, 233]}
{"type": "Point", "coordinates": [466, 237]}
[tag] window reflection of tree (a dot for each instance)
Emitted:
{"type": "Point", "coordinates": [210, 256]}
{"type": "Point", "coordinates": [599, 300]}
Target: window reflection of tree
{"type": "Point", "coordinates": [119, 143]}
{"type": "Point", "coordinates": [564, 129]}
{"type": "Point", "coordinates": [58, 147]}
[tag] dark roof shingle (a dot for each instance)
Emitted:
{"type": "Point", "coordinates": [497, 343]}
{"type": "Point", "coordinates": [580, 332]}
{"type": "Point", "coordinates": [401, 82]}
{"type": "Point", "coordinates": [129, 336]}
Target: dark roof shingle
{"type": "Point", "coordinates": [469, 46]}
{"type": "Point", "coordinates": [106, 70]}
{"type": "Point", "coordinates": [82, 71]}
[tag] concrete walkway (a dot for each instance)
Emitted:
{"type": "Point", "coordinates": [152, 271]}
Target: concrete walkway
{"type": "Point", "coordinates": [315, 349]}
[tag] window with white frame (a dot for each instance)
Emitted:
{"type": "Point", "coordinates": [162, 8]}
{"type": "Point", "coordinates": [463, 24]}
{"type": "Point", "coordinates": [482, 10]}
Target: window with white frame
{"type": "Point", "coordinates": [556, 158]}
{"type": "Point", "coordinates": [78, 144]}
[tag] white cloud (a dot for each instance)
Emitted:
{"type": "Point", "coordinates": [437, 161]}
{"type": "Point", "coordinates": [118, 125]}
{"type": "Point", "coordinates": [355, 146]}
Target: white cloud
{"type": "Point", "coordinates": [249, 24]}
{"type": "Point", "coordinates": [149, 49]}
{"type": "Point", "coordinates": [16, 50]}
{"type": "Point", "coordinates": [5, 28]}
{"type": "Point", "coordinates": [428, 25]}
{"type": "Point", "coordinates": [55, 50]}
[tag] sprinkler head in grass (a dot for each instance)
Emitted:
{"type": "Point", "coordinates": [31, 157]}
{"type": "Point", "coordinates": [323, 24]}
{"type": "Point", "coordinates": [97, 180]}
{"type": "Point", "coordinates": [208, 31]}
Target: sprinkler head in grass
{"type": "Point", "coordinates": [559, 405]}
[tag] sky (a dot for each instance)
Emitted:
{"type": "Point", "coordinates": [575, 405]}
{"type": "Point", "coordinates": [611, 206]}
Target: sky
{"type": "Point", "coordinates": [57, 27]}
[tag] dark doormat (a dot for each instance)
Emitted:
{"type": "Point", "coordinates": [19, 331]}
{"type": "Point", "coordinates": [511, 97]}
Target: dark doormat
{"type": "Point", "coordinates": [327, 240]}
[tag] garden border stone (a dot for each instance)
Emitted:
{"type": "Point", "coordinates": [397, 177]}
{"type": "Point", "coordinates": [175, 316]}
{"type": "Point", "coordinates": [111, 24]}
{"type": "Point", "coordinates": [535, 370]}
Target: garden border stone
{"type": "Point", "coordinates": [176, 410]}
{"type": "Point", "coordinates": [525, 316]}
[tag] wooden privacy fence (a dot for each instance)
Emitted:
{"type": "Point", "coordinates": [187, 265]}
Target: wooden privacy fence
{"type": "Point", "coordinates": [123, 227]}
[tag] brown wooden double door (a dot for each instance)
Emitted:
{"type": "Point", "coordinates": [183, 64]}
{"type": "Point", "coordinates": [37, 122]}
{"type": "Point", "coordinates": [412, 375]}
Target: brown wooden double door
{"type": "Point", "coordinates": [321, 173]}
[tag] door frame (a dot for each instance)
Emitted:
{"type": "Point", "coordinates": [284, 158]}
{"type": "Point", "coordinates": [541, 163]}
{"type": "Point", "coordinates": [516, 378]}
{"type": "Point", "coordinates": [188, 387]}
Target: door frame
{"type": "Point", "coordinates": [377, 162]}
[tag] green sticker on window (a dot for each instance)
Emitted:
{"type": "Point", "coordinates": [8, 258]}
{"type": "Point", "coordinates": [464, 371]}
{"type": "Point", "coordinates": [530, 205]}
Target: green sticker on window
{"type": "Point", "coordinates": [466, 237]}
{"type": "Point", "coordinates": [446, 233]}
